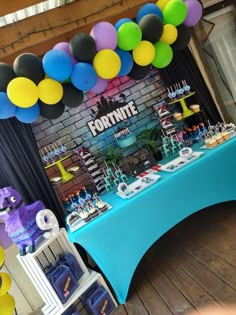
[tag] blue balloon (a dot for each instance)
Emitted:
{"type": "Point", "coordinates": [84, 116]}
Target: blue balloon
{"type": "Point", "coordinates": [7, 109]}
{"type": "Point", "coordinates": [126, 61]}
{"type": "Point", "coordinates": [149, 8]}
{"type": "Point", "coordinates": [122, 21]}
{"type": "Point", "coordinates": [28, 115]}
{"type": "Point", "coordinates": [57, 65]}
{"type": "Point", "coordinates": [83, 76]}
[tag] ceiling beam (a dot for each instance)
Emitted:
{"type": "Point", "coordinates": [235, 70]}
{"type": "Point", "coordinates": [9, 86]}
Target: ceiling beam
{"type": "Point", "coordinates": [11, 6]}
{"type": "Point", "coordinates": [40, 33]}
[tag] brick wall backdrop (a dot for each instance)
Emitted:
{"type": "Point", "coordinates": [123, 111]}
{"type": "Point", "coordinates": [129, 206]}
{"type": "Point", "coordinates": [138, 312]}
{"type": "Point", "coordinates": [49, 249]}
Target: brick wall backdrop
{"type": "Point", "coordinates": [71, 127]}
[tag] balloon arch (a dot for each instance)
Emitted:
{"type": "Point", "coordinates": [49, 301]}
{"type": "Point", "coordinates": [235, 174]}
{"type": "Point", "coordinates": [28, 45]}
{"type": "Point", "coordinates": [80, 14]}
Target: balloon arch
{"type": "Point", "coordinates": [34, 87]}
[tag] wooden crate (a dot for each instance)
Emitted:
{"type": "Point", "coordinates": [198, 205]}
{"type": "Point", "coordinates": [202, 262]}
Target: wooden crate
{"type": "Point", "coordinates": [35, 263]}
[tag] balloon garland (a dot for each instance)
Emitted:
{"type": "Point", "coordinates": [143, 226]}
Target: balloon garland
{"type": "Point", "coordinates": [7, 302]}
{"type": "Point", "coordinates": [34, 87]}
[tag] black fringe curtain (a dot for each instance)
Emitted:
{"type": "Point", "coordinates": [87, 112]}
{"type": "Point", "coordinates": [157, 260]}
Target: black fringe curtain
{"type": "Point", "coordinates": [21, 166]}
{"type": "Point", "coordinates": [184, 67]}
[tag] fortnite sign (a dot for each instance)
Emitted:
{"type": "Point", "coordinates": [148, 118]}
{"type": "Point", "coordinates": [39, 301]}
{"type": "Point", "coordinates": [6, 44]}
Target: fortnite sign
{"type": "Point", "coordinates": [110, 113]}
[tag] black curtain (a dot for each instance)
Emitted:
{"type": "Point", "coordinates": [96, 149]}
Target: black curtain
{"type": "Point", "coordinates": [184, 67]}
{"type": "Point", "coordinates": [21, 166]}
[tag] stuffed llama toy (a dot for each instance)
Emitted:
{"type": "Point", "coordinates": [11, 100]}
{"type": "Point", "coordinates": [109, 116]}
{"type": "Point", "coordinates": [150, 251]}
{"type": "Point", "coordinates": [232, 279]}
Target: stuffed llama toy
{"type": "Point", "coordinates": [20, 219]}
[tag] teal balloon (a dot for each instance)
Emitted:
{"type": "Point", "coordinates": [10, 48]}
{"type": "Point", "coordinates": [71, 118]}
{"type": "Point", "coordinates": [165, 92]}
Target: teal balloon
{"type": "Point", "coordinates": [129, 36]}
{"type": "Point", "coordinates": [28, 115]}
{"type": "Point", "coordinates": [163, 55]}
{"type": "Point", "coordinates": [7, 108]}
{"type": "Point", "coordinates": [175, 12]}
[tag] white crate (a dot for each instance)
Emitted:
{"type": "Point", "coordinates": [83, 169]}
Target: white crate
{"type": "Point", "coordinates": [35, 263]}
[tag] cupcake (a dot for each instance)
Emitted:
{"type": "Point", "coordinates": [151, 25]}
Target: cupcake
{"type": "Point", "coordinates": [178, 116]}
{"type": "Point", "coordinates": [195, 108]}
{"type": "Point", "coordinates": [219, 138]}
{"type": "Point", "coordinates": [211, 143]}
{"type": "Point", "coordinates": [84, 215]}
{"type": "Point", "coordinates": [102, 206]}
{"type": "Point", "coordinates": [91, 209]}
{"type": "Point", "coordinates": [225, 135]}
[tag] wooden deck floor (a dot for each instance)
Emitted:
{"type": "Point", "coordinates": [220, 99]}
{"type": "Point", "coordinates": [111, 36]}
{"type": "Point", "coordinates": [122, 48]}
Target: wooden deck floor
{"type": "Point", "coordinates": [193, 265]}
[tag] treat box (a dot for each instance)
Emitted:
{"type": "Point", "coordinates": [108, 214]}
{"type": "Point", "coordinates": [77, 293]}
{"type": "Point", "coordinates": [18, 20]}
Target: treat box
{"type": "Point", "coordinates": [233, 134]}
{"type": "Point", "coordinates": [139, 185]}
{"type": "Point", "coordinates": [180, 162]}
{"type": "Point", "coordinates": [78, 224]}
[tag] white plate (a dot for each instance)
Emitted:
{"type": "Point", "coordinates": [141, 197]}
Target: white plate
{"type": "Point", "coordinates": [180, 162]}
{"type": "Point", "coordinates": [233, 134]}
{"type": "Point", "coordinates": [139, 185]}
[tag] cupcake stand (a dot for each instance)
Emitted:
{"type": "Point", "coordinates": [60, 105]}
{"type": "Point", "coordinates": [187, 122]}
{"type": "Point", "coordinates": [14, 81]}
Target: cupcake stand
{"type": "Point", "coordinates": [186, 111]}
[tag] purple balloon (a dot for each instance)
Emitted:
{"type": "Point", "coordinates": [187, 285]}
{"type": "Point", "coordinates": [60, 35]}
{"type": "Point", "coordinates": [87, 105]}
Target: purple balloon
{"type": "Point", "coordinates": [64, 46]}
{"type": "Point", "coordinates": [100, 86]}
{"type": "Point", "coordinates": [105, 36]}
{"type": "Point", "coordinates": [194, 12]}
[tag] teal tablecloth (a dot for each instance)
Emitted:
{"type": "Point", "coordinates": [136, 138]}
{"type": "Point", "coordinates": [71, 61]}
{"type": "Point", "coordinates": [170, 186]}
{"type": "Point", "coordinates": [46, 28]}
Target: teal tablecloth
{"type": "Point", "coordinates": [119, 238]}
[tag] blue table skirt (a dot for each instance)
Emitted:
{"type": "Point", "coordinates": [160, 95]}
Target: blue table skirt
{"type": "Point", "coordinates": [119, 238]}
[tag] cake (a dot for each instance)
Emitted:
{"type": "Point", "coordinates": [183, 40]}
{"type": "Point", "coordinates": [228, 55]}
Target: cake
{"type": "Point", "coordinates": [178, 116]}
{"type": "Point", "coordinates": [211, 143]}
{"type": "Point", "coordinates": [195, 108]}
{"type": "Point", "coordinates": [219, 138]}
{"type": "Point", "coordinates": [125, 138]}
{"type": "Point", "coordinates": [225, 135]}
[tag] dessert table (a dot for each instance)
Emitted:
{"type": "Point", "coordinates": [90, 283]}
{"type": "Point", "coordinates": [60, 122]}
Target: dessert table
{"type": "Point", "coordinates": [118, 239]}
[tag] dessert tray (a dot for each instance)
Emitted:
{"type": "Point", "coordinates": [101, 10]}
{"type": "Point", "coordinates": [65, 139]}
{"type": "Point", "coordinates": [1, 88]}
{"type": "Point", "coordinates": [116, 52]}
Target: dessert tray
{"type": "Point", "coordinates": [233, 134]}
{"type": "Point", "coordinates": [180, 162]}
{"type": "Point", "coordinates": [79, 223]}
{"type": "Point", "coordinates": [139, 185]}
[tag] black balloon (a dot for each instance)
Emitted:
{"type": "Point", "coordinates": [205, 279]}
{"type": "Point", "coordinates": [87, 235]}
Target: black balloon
{"type": "Point", "coordinates": [6, 75]}
{"type": "Point", "coordinates": [72, 97]}
{"type": "Point", "coordinates": [183, 38]}
{"type": "Point", "coordinates": [152, 28]}
{"type": "Point", "coordinates": [139, 72]}
{"type": "Point", "coordinates": [51, 111]}
{"type": "Point", "coordinates": [83, 47]}
{"type": "Point", "coordinates": [29, 66]}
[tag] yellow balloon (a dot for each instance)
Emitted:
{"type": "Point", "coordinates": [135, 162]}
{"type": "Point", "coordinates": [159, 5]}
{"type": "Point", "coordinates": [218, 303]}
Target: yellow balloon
{"type": "Point", "coordinates": [22, 92]}
{"type": "Point", "coordinates": [50, 91]}
{"type": "Point", "coordinates": [6, 283]}
{"type": "Point", "coordinates": [169, 34]}
{"type": "Point", "coordinates": [2, 256]}
{"type": "Point", "coordinates": [144, 53]}
{"type": "Point", "coordinates": [162, 3]}
{"type": "Point", "coordinates": [7, 304]}
{"type": "Point", "coordinates": [107, 63]}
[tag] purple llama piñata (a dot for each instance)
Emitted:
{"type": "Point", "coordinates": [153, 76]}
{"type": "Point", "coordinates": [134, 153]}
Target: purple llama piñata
{"type": "Point", "coordinates": [20, 219]}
